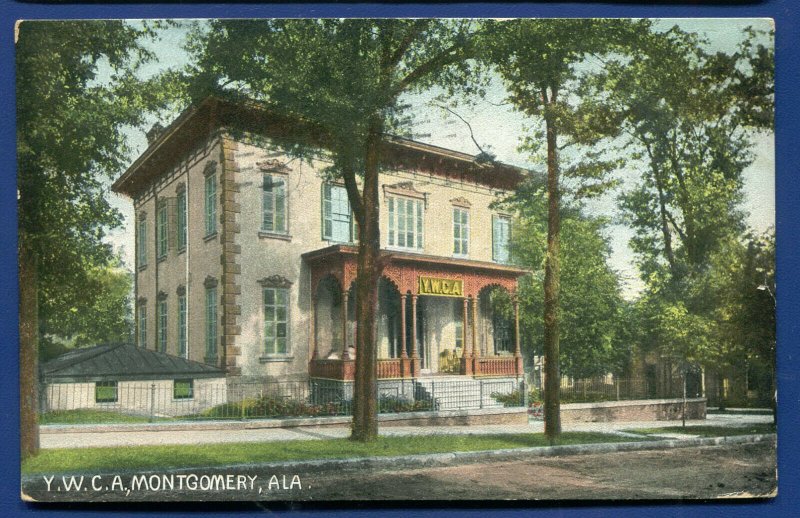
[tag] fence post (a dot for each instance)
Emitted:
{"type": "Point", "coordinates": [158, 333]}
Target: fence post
{"type": "Point", "coordinates": [524, 394]}
{"type": "Point", "coordinates": [617, 382]}
{"type": "Point", "coordinates": [481, 393]}
{"type": "Point", "coordinates": [433, 395]}
{"type": "Point", "coordinates": [152, 401]}
{"type": "Point", "coordinates": [241, 400]}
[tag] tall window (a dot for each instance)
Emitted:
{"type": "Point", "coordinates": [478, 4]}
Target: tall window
{"type": "Point", "coordinates": [142, 325]}
{"type": "Point", "coordinates": [180, 217]}
{"type": "Point", "coordinates": [211, 204]}
{"type": "Point", "coordinates": [161, 229]}
{"type": "Point", "coordinates": [501, 237]}
{"type": "Point", "coordinates": [211, 322]}
{"type": "Point", "coordinates": [273, 204]}
{"type": "Point", "coordinates": [337, 220]}
{"type": "Point", "coordinates": [406, 222]}
{"type": "Point", "coordinates": [460, 231]}
{"type": "Point", "coordinates": [162, 326]}
{"type": "Point", "coordinates": [141, 240]}
{"type": "Point", "coordinates": [276, 312]}
{"type": "Point", "coordinates": [182, 352]}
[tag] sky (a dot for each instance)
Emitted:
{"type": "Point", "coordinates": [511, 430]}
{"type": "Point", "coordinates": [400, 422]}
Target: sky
{"type": "Point", "coordinates": [497, 125]}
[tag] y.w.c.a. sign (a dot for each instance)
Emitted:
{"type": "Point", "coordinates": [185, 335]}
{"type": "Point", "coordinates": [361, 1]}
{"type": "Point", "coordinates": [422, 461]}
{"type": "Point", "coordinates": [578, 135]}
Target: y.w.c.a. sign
{"type": "Point", "coordinates": [441, 287]}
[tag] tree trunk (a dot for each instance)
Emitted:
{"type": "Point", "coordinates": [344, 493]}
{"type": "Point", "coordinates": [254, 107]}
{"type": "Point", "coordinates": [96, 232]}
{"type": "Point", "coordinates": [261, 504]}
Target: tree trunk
{"type": "Point", "coordinates": [552, 416]}
{"type": "Point", "coordinates": [28, 350]}
{"type": "Point", "coordinates": [365, 397]}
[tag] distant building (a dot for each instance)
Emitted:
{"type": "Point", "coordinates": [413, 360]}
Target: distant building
{"type": "Point", "coordinates": [245, 257]}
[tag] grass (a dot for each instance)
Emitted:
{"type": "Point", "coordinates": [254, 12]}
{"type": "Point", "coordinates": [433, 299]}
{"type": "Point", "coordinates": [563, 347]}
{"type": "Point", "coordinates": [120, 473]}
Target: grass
{"type": "Point", "coordinates": [87, 416]}
{"type": "Point", "coordinates": [709, 431]}
{"type": "Point", "coordinates": [207, 455]}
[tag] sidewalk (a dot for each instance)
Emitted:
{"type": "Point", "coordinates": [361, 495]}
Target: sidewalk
{"type": "Point", "coordinates": [93, 438]}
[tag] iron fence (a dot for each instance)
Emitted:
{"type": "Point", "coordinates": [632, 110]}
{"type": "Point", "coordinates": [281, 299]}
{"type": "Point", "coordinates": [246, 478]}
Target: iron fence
{"type": "Point", "coordinates": [217, 399]}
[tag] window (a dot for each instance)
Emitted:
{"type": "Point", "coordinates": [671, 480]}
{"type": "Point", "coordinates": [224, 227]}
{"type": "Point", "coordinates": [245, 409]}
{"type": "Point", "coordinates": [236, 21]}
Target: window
{"type": "Point", "coordinates": [180, 216]}
{"type": "Point", "coordinates": [276, 312]}
{"type": "Point", "coordinates": [162, 326]}
{"type": "Point", "coordinates": [211, 322]}
{"type": "Point", "coordinates": [183, 389]}
{"type": "Point", "coordinates": [211, 204]}
{"type": "Point", "coordinates": [142, 325]}
{"type": "Point", "coordinates": [273, 204]}
{"type": "Point", "coordinates": [141, 240]}
{"type": "Point", "coordinates": [337, 219]}
{"type": "Point", "coordinates": [459, 334]}
{"type": "Point", "coordinates": [161, 230]}
{"type": "Point", "coordinates": [460, 231]}
{"type": "Point", "coordinates": [405, 223]}
{"type": "Point", "coordinates": [105, 392]}
{"type": "Point", "coordinates": [501, 236]}
{"type": "Point", "coordinates": [182, 352]}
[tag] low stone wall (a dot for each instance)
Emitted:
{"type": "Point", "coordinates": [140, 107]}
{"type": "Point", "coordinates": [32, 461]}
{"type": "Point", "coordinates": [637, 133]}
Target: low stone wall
{"type": "Point", "coordinates": [636, 410]}
{"type": "Point", "coordinates": [457, 417]}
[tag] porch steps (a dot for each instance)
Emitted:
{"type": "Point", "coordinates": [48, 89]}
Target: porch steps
{"type": "Point", "coordinates": [462, 392]}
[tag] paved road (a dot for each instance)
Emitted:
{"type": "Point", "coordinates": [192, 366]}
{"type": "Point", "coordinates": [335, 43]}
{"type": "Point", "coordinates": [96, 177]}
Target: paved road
{"type": "Point", "coordinates": [90, 438]}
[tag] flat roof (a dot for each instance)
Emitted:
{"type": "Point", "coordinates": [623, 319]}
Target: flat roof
{"type": "Point", "coordinates": [199, 121]}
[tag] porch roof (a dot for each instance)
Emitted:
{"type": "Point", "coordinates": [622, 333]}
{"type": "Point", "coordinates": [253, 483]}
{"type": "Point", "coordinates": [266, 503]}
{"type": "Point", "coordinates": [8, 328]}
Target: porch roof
{"type": "Point", "coordinates": [403, 268]}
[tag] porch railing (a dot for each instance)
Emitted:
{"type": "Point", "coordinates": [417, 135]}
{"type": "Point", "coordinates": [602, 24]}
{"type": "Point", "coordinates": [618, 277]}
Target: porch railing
{"type": "Point", "coordinates": [497, 366]}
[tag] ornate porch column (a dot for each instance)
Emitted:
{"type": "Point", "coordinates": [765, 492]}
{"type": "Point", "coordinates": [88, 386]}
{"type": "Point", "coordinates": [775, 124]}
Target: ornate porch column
{"type": "Point", "coordinates": [345, 352]}
{"type": "Point", "coordinates": [403, 353]}
{"type": "Point", "coordinates": [466, 357]}
{"type": "Point", "coordinates": [517, 353]}
{"type": "Point", "coordinates": [414, 353]}
{"type": "Point", "coordinates": [476, 350]}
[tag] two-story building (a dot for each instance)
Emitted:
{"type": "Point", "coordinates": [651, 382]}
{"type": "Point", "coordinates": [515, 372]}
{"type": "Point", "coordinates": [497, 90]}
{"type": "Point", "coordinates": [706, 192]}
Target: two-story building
{"type": "Point", "coordinates": [245, 256]}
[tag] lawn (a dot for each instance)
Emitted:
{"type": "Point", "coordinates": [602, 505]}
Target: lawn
{"type": "Point", "coordinates": [206, 455]}
{"type": "Point", "coordinates": [88, 416]}
{"type": "Point", "coordinates": [709, 431]}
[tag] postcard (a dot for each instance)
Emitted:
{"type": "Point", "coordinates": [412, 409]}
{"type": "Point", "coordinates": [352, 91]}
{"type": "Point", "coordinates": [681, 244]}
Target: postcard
{"type": "Point", "coordinates": [431, 259]}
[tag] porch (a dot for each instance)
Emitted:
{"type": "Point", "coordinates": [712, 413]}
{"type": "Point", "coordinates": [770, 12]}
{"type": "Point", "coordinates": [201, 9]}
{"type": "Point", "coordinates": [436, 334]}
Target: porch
{"type": "Point", "coordinates": [436, 316]}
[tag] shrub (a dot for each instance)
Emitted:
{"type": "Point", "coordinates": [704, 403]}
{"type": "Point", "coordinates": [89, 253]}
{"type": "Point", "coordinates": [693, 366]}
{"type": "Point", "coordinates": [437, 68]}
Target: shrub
{"type": "Point", "coordinates": [394, 404]}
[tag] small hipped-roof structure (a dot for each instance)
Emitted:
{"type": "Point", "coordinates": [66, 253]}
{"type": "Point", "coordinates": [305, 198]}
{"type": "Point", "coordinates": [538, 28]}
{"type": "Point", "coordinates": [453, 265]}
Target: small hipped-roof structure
{"type": "Point", "coordinates": [122, 363]}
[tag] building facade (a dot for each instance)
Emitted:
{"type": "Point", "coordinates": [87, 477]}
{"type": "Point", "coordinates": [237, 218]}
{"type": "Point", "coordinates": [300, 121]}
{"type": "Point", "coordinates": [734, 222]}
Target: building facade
{"type": "Point", "coordinates": [246, 255]}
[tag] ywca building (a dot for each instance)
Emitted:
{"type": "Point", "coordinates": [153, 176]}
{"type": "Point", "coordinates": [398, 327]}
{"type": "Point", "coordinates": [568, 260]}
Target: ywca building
{"type": "Point", "coordinates": [245, 256]}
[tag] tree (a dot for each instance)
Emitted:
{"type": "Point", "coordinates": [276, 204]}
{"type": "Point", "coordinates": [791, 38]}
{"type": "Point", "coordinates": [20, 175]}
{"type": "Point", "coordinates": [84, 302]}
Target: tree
{"type": "Point", "coordinates": [539, 61]}
{"type": "Point", "coordinates": [347, 77]}
{"type": "Point", "coordinates": [689, 117]}
{"type": "Point", "coordinates": [100, 312]}
{"type": "Point", "coordinates": [68, 140]}
{"type": "Point", "coordinates": [591, 304]}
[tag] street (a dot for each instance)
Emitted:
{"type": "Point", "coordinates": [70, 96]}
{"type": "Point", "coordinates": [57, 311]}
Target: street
{"type": "Point", "coordinates": [724, 471]}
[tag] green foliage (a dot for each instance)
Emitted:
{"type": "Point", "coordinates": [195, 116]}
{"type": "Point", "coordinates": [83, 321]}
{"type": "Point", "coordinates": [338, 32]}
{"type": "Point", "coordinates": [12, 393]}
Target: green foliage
{"type": "Point", "coordinates": [271, 406]}
{"type": "Point", "coordinates": [77, 87]}
{"type": "Point", "coordinates": [593, 315]}
{"type": "Point", "coordinates": [100, 313]}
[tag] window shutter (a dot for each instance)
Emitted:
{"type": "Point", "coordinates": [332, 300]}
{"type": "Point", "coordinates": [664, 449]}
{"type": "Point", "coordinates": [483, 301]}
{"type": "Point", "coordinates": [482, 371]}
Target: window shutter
{"type": "Point", "coordinates": [327, 224]}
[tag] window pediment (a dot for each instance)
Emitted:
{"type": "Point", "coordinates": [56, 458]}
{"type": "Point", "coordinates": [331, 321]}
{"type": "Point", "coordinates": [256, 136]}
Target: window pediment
{"type": "Point", "coordinates": [210, 168]}
{"type": "Point", "coordinates": [461, 202]}
{"type": "Point", "coordinates": [275, 281]}
{"type": "Point", "coordinates": [406, 189]}
{"type": "Point", "coordinates": [210, 282]}
{"type": "Point", "coordinates": [272, 165]}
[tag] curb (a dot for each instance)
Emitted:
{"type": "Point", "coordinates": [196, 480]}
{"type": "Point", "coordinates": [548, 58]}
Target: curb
{"type": "Point", "coordinates": [434, 460]}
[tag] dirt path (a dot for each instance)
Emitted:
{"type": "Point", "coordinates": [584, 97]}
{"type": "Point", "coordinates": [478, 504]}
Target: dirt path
{"type": "Point", "coordinates": [708, 472]}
